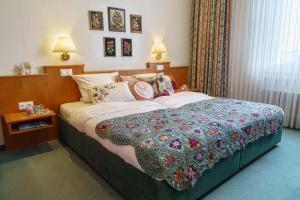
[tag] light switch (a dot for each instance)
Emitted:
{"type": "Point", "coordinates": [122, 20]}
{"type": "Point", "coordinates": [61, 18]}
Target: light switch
{"type": "Point", "coordinates": [66, 72]}
{"type": "Point", "coordinates": [159, 67]}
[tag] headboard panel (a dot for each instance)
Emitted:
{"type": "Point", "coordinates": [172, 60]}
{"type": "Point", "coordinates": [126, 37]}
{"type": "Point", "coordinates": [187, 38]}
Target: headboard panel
{"type": "Point", "coordinates": [15, 89]}
{"type": "Point", "coordinates": [63, 89]}
{"type": "Point", "coordinates": [123, 72]}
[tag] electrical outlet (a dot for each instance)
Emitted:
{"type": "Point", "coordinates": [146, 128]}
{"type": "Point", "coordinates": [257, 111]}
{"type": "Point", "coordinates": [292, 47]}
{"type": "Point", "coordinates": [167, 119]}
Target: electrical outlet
{"type": "Point", "coordinates": [160, 67]}
{"type": "Point", "coordinates": [66, 72]}
{"type": "Point", "coordinates": [23, 105]}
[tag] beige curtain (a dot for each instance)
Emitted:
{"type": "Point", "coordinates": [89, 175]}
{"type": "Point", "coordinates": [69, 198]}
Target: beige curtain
{"type": "Point", "coordinates": [210, 46]}
{"type": "Point", "coordinates": [265, 54]}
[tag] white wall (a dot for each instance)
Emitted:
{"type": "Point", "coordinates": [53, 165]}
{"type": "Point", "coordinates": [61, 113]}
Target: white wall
{"type": "Point", "coordinates": [29, 28]}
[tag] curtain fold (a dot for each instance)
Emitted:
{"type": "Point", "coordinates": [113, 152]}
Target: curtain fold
{"type": "Point", "coordinates": [210, 46]}
{"type": "Point", "coordinates": [265, 54]}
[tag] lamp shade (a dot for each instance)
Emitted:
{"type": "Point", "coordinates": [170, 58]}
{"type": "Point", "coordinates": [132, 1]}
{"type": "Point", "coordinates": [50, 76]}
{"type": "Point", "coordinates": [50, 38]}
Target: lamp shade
{"type": "Point", "coordinates": [158, 47]}
{"type": "Point", "coordinates": [64, 44]}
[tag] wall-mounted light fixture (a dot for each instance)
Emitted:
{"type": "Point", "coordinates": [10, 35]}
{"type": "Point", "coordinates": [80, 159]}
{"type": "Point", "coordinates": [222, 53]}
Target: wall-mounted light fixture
{"type": "Point", "coordinates": [158, 49]}
{"type": "Point", "coordinates": [65, 46]}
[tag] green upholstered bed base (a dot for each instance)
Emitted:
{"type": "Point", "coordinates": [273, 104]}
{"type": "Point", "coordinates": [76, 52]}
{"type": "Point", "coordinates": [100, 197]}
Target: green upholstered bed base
{"type": "Point", "coordinates": [134, 184]}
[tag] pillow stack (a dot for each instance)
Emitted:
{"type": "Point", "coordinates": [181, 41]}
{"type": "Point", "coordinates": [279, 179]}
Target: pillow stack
{"type": "Point", "coordinates": [161, 84]}
{"type": "Point", "coordinates": [110, 87]}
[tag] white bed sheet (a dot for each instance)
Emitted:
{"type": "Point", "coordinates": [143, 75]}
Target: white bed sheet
{"type": "Point", "coordinates": [180, 99]}
{"type": "Point", "coordinates": [85, 117]}
{"type": "Point", "coordinates": [67, 108]}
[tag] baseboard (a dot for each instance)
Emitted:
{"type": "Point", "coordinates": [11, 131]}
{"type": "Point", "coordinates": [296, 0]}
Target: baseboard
{"type": "Point", "coordinates": [2, 147]}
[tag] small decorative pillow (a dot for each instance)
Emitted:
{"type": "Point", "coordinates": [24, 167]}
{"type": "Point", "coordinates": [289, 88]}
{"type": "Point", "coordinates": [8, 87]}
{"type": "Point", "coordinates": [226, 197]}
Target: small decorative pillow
{"type": "Point", "coordinates": [141, 90]}
{"type": "Point", "coordinates": [170, 84]}
{"type": "Point", "coordinates": [173, 81]}
{"type": "Point", "coordinates": [114, 92]}
{"type": "Point", "coordinates": [161, 84]}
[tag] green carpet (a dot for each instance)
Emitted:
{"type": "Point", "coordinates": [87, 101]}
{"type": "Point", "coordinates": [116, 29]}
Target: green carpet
{"type": "Point", "coordinates": [53, 172]}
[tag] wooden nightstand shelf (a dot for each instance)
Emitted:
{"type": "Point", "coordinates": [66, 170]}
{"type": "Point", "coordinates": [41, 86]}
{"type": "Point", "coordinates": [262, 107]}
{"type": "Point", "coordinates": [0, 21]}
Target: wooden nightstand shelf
{"type": "Point", "coordinates": [15, 119]}
{"type": "Point", "coordinates": [42, 129]}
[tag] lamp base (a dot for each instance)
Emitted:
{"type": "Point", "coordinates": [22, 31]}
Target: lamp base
{"type": "Point", "coordinates": [65, 56]}
{"type": "Point", "coordinates": [158, 56]}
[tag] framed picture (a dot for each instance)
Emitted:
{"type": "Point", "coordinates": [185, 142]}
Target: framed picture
{"type": "Point", "coordinates": [126, 47]}
{"type": "Point", "coordinates": [96, 20]}
{"type": "Point", "coordinates": [116, 19]}
{"type": "Point", "coordinates": [136, 24]}
{"type": "Point", "coordinates": [109, 47]}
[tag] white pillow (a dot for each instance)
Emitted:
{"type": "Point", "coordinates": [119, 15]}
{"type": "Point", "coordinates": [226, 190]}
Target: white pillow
{"type": "Point", "coordinates": [113, 92]}
{"type": "Point", "coordinates": [85, 80]}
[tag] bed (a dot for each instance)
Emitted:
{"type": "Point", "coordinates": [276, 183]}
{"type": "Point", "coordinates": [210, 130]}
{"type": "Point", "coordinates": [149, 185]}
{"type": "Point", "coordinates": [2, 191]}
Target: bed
{"type": "Point", "coordinates": [89, 131]}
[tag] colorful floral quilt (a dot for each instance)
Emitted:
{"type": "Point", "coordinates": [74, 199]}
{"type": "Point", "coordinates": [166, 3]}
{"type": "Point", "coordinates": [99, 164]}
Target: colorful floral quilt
{"type": "Point", "coordinates": [178, 145]}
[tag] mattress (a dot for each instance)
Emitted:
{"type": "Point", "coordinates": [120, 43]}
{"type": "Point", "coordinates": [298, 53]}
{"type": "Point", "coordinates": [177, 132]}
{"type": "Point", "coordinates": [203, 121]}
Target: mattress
{"type": "Point", "coordinates": [67, 108]}
{"type": "Point", "coordinates": [84, 117]}
{"type": "Point", "coordinates": [180, 99]}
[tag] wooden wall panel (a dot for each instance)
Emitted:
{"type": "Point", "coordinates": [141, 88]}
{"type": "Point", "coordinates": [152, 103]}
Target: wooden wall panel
{"type": "Point", "coordinates": [154, 65]}
{"type": "Point", "coordinates": [62, 89]}
{"type": "Point", "coordinates": [22, 88]}
{"type": "Point", "coordinates": [180, 74]}
{"type": "Point", "coordinates": [15, 89]}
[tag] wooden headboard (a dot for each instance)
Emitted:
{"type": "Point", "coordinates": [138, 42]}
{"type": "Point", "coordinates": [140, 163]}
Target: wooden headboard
{"type": "Point", "coordinates": [52, 89]}
{"type": "Point", "coordinates": [63, 89]}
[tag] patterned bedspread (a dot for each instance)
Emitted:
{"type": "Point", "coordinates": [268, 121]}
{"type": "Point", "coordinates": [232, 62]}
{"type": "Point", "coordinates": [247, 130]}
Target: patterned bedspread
{"type": "Point", "coordinates": [178, 145]}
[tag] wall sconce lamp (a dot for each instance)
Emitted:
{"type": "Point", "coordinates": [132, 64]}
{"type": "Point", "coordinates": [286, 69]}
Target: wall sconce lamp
{"type": "Point", "coordinates": [158, 49]}
{"type": "Point", "coordinates": [65, 46]}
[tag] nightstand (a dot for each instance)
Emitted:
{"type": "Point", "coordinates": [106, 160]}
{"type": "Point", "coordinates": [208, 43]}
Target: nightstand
{"type": "Point", "coordinates": [21, 130]}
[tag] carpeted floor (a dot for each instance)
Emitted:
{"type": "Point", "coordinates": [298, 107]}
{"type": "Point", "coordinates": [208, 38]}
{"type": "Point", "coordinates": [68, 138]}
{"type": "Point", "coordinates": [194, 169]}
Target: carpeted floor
{"type": "Point", "coordinates": [52, 171]}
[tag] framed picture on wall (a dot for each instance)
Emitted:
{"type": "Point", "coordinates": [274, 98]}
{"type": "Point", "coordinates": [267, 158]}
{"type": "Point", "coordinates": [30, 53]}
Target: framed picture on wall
{"type": "Point", "coordinates": [136, 25]}
{"type": "Point", "coordinates": [126, 47]}
{"type": "Point", "coordinates": [109, 47]}
{"type": "Point", "coordinates": [96, 20]}
{"type": "Point", "coordinates": [116, 19]}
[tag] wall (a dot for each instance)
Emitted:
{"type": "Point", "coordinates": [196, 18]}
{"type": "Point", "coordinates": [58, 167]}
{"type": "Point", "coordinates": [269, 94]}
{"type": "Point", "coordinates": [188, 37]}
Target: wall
{"type": "Point", "coordinates": [29, 28]}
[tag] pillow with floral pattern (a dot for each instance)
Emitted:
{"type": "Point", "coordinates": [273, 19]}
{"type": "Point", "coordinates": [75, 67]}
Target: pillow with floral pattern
{"type": "Point", "coordinates": [114, 92]}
